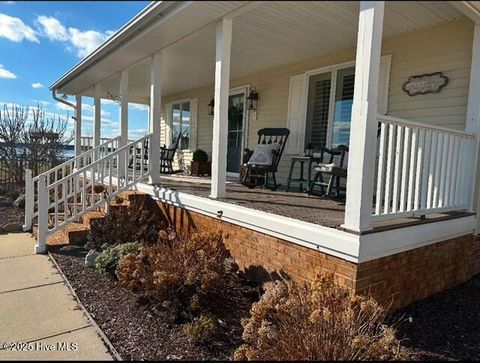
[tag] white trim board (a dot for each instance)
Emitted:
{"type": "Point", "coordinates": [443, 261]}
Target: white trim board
{"type": "Point", "coordinates": [348, 246]}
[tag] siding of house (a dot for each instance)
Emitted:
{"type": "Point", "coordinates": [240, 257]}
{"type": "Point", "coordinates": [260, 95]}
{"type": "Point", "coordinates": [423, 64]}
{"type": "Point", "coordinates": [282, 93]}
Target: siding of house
{"type": "Point", "coordinates": [445, 48]}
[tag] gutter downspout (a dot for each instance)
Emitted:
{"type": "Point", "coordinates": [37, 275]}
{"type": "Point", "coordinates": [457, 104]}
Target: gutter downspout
{"type": "Point", "coordinates": [55, 97]}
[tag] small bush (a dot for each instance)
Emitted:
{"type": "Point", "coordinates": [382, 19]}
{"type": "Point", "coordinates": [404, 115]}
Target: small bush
{"type": "Point", "coordinates": [320, 321]}
{"type": "Point", "coordinates": [107, 261]}
{"type": "Point", "coordinates": [202, 330]}
{"type": "Point", "coordinates": [200, 156]}
{"type": "Point", "coordinates": [192, 274]}
{"type": "Point", "coordinates": [140, 222]}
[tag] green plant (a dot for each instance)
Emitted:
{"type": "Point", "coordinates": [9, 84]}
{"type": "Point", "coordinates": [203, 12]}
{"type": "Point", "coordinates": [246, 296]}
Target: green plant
{"type": "Point", "coordinates": [202, 330]}
{"type": "Point", "coordinates": [320, 321]}
{"type": "Point", "coordinates": [141, 222]}
{"type": "Point", "coordinates": [200, 155]}
{"type": "Point", "coordinates": [190, 273]}
{"type": "Point", "coordinates": [107, 261]}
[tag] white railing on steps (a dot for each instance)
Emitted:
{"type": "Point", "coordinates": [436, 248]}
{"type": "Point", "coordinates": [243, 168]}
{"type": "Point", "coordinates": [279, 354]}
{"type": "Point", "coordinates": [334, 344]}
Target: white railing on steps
{"type": "Point", "coordinates": [421, 169]}
{"type": "Point", "coordinates": [67, 199]}
{"type": "Point", "coordinates": [59, 172]}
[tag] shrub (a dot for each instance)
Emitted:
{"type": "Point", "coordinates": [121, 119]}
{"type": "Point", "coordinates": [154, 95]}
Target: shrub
{"type": "Point", "coordinates": [320, 321]}
{"type": "Point", "coordinates": [200, 156]}
{"type": "Point", "coordinates": [202, 330]}
{"type": "Point", "coordinates": [192, 274]}
{"type": "Point", "coordinates": [107, 261]}
{"type": "Point", "coordinates": [140, 222]}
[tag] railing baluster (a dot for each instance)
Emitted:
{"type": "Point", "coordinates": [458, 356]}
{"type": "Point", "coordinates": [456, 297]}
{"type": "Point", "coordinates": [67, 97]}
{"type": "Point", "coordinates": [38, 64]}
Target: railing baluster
{"type": "Point", "coordinates": [405, 169]}
{"type": "Point", "coordinates": [411, 175]}
{"type": "Point", "coordinates": [431, 173]}
{"type": "Point", "coordinates": [425, 169]}
{"type": "Point", "coordinates": [418, 172]}
{"type": "Point", "coordinates": [389, 170]}
{"type": "Point", "coordinates": [398, 163]}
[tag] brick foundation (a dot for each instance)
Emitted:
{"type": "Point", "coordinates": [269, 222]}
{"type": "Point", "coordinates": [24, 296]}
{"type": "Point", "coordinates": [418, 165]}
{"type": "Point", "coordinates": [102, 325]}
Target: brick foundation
{"type": "Point", "coordinates": [395, 280]}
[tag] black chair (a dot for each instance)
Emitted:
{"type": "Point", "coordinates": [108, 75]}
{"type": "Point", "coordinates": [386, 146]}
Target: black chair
{"type": "Point", "coordinates": [267, 136]}
{"type": "Point", "coordinates": [137, 157]}
{"type": "Point", "coordinates": [167, 155]}
{"type": "Point", "coordinates": [334, 172]}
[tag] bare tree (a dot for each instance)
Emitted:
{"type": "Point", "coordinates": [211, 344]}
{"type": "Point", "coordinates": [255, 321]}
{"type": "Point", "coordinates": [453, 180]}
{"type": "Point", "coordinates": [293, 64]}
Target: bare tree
{"type": "Point", "coordinates": [28, 138]}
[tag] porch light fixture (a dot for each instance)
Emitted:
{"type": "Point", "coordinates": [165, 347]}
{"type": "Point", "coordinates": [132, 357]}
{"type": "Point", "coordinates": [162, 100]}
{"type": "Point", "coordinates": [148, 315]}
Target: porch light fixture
{"type": "Point", "coordinates": [210, 107]}
{"type": "Point", "coordinates": [252, 100]}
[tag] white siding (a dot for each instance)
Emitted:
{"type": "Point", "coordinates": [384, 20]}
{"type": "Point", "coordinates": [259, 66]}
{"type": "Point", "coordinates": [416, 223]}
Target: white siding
{"type": "Point", "coordinates": [445, 48]}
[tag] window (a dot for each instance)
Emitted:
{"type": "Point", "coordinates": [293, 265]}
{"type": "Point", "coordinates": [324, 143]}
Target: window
{"type": "Point", "coordinates": [181, 122]}
{"type": "Point", "coordinates": [326, 127]}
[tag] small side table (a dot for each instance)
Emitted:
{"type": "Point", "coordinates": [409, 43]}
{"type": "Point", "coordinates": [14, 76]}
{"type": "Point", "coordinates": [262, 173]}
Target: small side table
{"type": "Point", "coordinates": [301, 180]}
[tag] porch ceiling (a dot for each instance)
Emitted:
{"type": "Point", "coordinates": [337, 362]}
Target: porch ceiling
{"type": "Point", "coordinates": [265, 36]}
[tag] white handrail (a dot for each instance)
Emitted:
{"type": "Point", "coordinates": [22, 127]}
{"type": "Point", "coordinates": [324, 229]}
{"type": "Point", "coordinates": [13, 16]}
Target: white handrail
{"type": "Point", "coordinates": [74, 195]}
{"type": "Point", "coordinates": [404, 122]}
{"type": "Point", "coordinates": [82, 156]}
{"type": "Point", "coordinates": [421, 169]}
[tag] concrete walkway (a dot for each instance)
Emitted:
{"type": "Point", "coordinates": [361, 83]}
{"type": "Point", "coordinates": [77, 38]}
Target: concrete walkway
{"type": "Point", "coordinates": [37, 309]}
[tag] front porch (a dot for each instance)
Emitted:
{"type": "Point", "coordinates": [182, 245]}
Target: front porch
{"type": "Point", "coordinates": [301, 206]}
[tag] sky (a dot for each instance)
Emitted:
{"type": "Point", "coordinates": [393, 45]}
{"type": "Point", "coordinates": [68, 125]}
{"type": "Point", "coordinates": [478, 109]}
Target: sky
{"type": "Point", "coordinates": [41, 40]}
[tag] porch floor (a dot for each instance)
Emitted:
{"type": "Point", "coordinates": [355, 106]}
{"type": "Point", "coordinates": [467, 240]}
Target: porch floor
{"type": "Point", "coordinates": [301, 206]}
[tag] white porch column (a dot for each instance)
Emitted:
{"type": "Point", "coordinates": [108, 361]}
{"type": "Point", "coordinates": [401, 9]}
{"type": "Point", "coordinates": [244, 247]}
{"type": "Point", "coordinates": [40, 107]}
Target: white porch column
{"type": "Point", "coordinates": [78, 125]}
{"type": "Point", "coordinates": [363, 137]}
{"type": "Point", "coordinates": [473, 118]}
{"type": "Point", "coordinates": [220, 117]}
{"type": "Point", "coordinates": [97, 92]}
{"type": "Point", "coordinates": [123, 117]}
{"type": "Point", "coordinates": [155, 117]}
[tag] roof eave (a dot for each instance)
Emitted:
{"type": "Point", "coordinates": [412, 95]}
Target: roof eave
{"type": "Point", "coordinates": [129, 29]}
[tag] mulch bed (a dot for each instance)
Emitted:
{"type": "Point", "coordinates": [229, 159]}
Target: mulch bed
{"type": "Point", "coordinates": [445, 326]}
{"type": "Point", "coordinates": [10, 214]}
{"type": "Point", "coordinates": [137, 330]}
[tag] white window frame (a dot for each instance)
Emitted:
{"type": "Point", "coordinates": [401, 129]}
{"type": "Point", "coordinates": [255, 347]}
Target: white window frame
{"type": "Point", "coordinates": [245, 89]}
{"type": "Point", "coordinates": [334, 70]}
{"type": "Point", "coordinates": [193, 102]}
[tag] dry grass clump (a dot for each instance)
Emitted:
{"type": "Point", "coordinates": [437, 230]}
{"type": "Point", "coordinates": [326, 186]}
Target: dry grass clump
{"type": "Point", "coordinates": [193, 274]}
{"type": "Point", "coordinates": [203, 330]}
{"type": "Point", "coordinates": [140, 222]}
{"type": "Point", "coordinates": [320, 321]}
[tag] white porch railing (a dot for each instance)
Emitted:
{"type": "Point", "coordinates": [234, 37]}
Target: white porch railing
{"type": "Point", "coordinates": [87, 142]}
{"type": "Point", "coordinates": [421, 169]}
{"type": "Point", "coordinates": [59, 172]}
{"type": "Point", "coordinates": [67, 198]}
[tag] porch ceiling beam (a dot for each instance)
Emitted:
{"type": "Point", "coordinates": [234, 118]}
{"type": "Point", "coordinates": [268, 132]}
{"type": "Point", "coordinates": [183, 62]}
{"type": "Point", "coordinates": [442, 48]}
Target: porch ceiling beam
{"type": "Point", "coordinates": [78, 125]}
{"type": "Point", "coordinates": [220, 117]}
{"type": "Point", "coordinates": [97, 119]}
{"type": "Point", "coordinates": [123, 113]}
{"type": "Point", "coordinates": [155, 116]}
{"type": "Point", "coordinates": [468, 8]}
{"type": "Point", "coordinates": [361, 164]}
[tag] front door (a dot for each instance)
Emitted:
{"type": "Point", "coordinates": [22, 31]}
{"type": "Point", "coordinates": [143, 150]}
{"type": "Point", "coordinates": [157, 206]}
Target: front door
{"type": "Point", "coordinates": [236, 131]}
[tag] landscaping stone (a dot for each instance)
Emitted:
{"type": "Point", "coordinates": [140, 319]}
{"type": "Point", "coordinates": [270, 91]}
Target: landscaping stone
{"type": "Point", "coordinates": [90, 258]}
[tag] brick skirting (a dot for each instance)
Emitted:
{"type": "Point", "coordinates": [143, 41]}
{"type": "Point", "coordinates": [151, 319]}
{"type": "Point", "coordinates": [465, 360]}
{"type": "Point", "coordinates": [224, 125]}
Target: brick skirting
{"type": "Point", "coordinates": [395, 280]}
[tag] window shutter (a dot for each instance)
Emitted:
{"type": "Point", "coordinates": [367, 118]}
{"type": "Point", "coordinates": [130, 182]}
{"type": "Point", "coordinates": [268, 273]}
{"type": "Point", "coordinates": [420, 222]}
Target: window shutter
{"type": "Point", "coordinates": [296, 114]}
{"type": "Point", "coordinates": [193, 123]}
{"type": "Point", "coordinates": [383, 83]}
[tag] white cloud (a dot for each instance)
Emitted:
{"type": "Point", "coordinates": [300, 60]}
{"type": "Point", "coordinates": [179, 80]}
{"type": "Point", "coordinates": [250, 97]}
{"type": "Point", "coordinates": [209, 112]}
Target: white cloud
{"type": "Point", "coordinates": [16, 30]}
{"type": "Point", "coordinates": [83, 42]}
{"type": "Point", "coordinates": [37, 85]}
{"type": "Point", "coordinates": [42, 103]}
{"type": "Point", "coordinates": [9, 2]}
{"type": "Point", "coordinates": [52, 28]}
{"type": "Point", "coordinates": [5, 73]}
{"type": "Point", "coordinates": [138, 107]}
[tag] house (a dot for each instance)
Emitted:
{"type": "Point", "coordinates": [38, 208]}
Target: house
{"type": "Point", "coordinates": [398, 81]}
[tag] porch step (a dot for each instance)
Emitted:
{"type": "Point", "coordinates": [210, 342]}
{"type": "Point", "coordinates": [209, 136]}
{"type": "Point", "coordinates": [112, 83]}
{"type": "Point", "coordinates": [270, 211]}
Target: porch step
{"type": "Point", "coordinates": [77, 232]}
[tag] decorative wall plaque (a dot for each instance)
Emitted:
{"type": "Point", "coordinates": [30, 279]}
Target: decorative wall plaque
{"type": "Point", "coordinates": [425, 83]}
